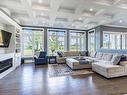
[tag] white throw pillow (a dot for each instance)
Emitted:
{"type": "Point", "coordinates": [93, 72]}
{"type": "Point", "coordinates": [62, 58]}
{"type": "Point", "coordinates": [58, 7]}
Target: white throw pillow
{"type": "Point", "coordinates": [92, 54]}
{"type": "Point", "coordinates": [99, 55]}
{"type": "Point", "coordinates": [107, 56]}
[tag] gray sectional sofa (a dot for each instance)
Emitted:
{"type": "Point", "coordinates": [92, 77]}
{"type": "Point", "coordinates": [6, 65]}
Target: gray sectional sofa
{"type": "Point", "coordinates": [62, 56]}
{"type": "Point", "coordinates": [109, 65]}
{"type": "Point", "coordinates": [106, 64]}
{"type": "Point", "coordinates": [72, 59]}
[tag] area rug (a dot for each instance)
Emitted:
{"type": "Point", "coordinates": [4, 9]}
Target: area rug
{"type": "Point", "coordinates": [56, 70]}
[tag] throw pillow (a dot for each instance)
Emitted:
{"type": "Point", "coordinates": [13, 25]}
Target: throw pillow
{"type": "Point", "coordinates": [92, 54]}
{"type": "Point", "coordinates": [60, 54]}
{"type": "Point", "coordinates": [116, 59]}
{"type": "Point", "coordinates": [84, 53]}
{"type": "Point", "coordinates": [99, 55]}
{"type": "Point", "coordinates": [107, 56]}
{"type": "Point", "coordinates": [123, 60]}
{"type": "Point", "coordinates": [37, 53]}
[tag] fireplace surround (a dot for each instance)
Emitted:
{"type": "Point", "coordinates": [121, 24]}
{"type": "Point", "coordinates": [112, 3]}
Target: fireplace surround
{"type": "Point", "coordinates": [6, 64]}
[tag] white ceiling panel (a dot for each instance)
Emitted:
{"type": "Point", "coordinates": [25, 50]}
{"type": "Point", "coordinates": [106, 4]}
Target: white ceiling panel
{"type": "Point", "coordinates": [79, 14]}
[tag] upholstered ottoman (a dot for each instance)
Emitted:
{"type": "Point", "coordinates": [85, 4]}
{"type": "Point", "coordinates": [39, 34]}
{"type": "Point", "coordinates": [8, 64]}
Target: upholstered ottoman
{"type": "Point", "coordinates": [76, 64]}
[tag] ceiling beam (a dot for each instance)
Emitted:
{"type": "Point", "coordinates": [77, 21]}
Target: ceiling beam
{"type": "Point", "coordinates": [116, 2]}
{"type": "Point", "coordinates": [101, 11]}
{"type": "Point", "coordinates": [80, 8]}
{"type": "Point", "coordinates": [54, 6]}
{"type": "Point", "coordinates": [116, 18]}
{"type": "Point", "coordinates": [27, 4]}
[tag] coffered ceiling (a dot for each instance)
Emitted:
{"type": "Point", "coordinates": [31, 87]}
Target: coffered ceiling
{"type": "Point", "coordinates": [79, 14]}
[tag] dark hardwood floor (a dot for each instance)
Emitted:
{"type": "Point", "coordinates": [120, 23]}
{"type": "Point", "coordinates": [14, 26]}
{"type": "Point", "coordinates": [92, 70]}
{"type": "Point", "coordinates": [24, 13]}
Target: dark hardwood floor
{"type": "Point", "coordinates": [30, 80]}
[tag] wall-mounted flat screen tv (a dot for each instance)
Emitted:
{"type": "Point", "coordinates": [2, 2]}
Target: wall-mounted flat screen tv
{"type": "Point", "coordinates": [5, 38]}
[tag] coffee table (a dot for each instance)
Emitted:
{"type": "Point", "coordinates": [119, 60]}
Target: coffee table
{"type": "Point", "coordinates": [77, 63]}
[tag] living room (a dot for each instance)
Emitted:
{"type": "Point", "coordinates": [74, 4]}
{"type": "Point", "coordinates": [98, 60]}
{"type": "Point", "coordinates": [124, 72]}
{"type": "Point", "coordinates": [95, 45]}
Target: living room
{"type": "Point", "coordinates": [63, 47]}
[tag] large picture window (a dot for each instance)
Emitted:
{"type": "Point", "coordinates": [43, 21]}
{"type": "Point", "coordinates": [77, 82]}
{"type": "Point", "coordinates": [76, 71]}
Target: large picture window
{"type": "Point", "coordinates": [33, 40]}
{"type": "Point", "coordinates": [38, 40]}
{"type": "Point", "coordinates": [114, 40]}
{"type": "Point", "coordinates": [56, 41]}
{"type": "Point", "coordinates": [27, 43]}
{"type": "Point", "coordinates": [77, 41]}
{"type": "Point", "coordinates": [124, 41]}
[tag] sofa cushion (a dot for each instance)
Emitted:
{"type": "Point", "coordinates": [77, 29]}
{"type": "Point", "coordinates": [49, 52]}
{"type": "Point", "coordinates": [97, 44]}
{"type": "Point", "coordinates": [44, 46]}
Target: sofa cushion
{"type": "Point", "coordinates": [92, 54]}
{"type": "Point", "coordinates": [116, 59]}
{"type": "Point", "coordinates": [61, 59]}
{"type": "Point", "coordinates": [60, 54]}
{"type": "Point", "coordinates": [99, 55]}
{"type": "Point", "coordinates": [107, 56]}
{"type": "Point", "coordinates": [109, 68]}
{"type": "Point", "coordinates": [71, 53]}
{"type": "Point", "coordinates": [123, 60]}
{"type": "Point", "coordinates": [42, 54]}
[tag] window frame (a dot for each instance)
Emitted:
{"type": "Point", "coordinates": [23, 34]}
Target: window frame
{"type": "Point", "coordinates": [33, 40]}
{"type": "Point", "coordinates": [55, 30]}
{"type": "Point", "coordinates": [93, 30]}
{"type": "Point", "coordinates": [121, 40]}
{"type": "Point", "coordinates": [82, 47]}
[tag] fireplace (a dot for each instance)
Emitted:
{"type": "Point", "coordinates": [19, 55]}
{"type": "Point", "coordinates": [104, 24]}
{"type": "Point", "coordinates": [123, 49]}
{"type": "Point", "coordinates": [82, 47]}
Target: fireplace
{"type": "Point", "coordinates": [6, 64]}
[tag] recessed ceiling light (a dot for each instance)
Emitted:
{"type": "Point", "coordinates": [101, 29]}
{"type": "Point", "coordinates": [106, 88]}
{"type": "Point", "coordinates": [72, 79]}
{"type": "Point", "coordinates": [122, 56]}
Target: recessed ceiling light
{"type": "Point", "coordinates": [42, 14]}
{"type": "Point", "coordinates": [40, 1]}
{"type": "Point", "coordinates": [80, 18]}
{"type": "Point", "coordinates": [85, 26]}
{"type": "Point", "coordinates": [120, 21]}
{"type": "Point", "coordinates": [43, 22]}
{"type": "Point", "coordinates": [72, 25]}
{"type": "Point", "coordinates": [91, 9]}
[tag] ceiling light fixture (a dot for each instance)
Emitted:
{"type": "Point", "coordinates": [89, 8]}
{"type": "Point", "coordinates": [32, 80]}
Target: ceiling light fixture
{"type": "Point", "coordinates": [120, 21]}
{"type": "Point", "coordinates": [40, 1]}
{"type": "Point", "coordinates": [42, 14]}
{"type": "Point", "coordinates": [72, 25]}
{"type": "Point", "coordinates": [91, 9]}
{"type": "Point", "coordinates": [80, 18]}
{"type": "Point", "coordinates": [43, 22]}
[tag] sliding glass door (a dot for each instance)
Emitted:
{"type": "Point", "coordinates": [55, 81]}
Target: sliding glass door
{"type": "Point", "coordinates": [27, 43]}
{"type": "Point", "coordinates": [38, 41]}
{"type": "Point", "coordinates": [56, 41]}
{"type": "Point", "coordinates": [33, 40]}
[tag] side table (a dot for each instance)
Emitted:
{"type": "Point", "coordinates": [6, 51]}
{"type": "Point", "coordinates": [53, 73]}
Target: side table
{"type": "Point", "coordinates": [52, 60]}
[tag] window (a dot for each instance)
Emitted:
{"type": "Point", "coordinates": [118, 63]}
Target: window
{"type": "Point", "coordinates": [27, 41]}
{"type": "Point", "coordinates": [56, 41]}
{"type": "Point", "coordinates": [124, 41]}
{"type": "Point", "coordinates": [118, 41]}
{"type": "Point", "coordinates": [33, 41]}
{"type": "Point", "coordinates": [38, 40]}
{"type": "Point", "coordinates": [113, 40]}
{"type": "Point", "coordinates": [77, 41]}
{"type": "Point", "coordinates": [91, 41]}
{"type": "Point", "coordinates": [106, 39]}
